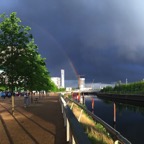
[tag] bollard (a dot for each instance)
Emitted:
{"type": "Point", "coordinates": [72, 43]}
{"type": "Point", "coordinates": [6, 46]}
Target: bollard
{"type": "Point", "coordinates": [92, 104]}
{"type": "Point", "coordinates": [83, 99]}
{"type": "Point", "coordinates": [73, 140]}
{"type": "Point", "coordinates": [80, 115]}
{"type": "Point", "coordinates": [117, 142]}
{"type": "Point", "coordinates": [79, 97]}
{"type": "Point", "coordinates": [114, 119]}
{"type": "Point", "coordinates": [67, 130]}
{"type": "Point", "coordinates": [114, 113]}
{"type": "Point", "coordinates": [65, 118]}
{"type": "Point", "coordinates": [71, 106]}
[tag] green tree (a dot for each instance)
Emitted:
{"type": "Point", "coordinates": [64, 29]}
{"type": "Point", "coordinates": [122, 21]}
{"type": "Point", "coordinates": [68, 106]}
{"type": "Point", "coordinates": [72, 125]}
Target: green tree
{"type": "Point", "coordinates": [13, 41]}
{"type": "Point", "coordinates": [19, 58]}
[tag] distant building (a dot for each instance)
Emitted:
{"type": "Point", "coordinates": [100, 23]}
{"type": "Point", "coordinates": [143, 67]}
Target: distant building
{"type": "Point", "coordinates": [68, 88]}
{"type": "Point", "coordinates": [56, 81]}
{"type": "Point", "coordinates": [81, 83]}
{"type": "Point", "coordinates": [62, 79]}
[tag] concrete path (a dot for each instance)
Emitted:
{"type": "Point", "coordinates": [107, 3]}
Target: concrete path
{"type": "Point", "coordinates": [40, 123]}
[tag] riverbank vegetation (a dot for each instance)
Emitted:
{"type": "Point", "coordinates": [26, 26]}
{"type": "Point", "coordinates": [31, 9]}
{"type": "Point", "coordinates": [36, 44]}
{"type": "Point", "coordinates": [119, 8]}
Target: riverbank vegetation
{"type": "Point", "coordinates": [130, 88]}
{"type": "Point", "coordinates": [95, 131]}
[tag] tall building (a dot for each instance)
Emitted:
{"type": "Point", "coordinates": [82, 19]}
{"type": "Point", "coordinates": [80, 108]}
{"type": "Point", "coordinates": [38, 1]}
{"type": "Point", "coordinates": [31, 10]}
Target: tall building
{"type": "Point", "coordinates": [81, 83]}
{"type": "Point", "coordinates": [56, 81]}
{"type": "Point", "coordinates": [62, 79]}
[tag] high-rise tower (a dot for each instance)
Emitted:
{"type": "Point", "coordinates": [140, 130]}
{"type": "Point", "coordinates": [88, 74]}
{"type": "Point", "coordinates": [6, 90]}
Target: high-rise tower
{"type": "Point", "coordinates": [81, 83]}
{"type": "Point", "coordinates": [62, 78]}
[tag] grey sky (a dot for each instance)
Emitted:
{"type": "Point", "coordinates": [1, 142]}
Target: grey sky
{"type": "Point", "coordinates": [104, 39]}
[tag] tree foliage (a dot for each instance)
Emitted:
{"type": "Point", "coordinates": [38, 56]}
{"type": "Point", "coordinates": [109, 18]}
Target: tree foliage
{"type": "Point", "coordinates": [131, 88]}
{"type": "Point", "coordinates": [19, 58]}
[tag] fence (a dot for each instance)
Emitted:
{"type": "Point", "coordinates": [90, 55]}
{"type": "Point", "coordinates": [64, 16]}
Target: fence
{"type": "Point", "coordinates": [116, 135]}
{"type": "Point", "coordinates": [74, 132]}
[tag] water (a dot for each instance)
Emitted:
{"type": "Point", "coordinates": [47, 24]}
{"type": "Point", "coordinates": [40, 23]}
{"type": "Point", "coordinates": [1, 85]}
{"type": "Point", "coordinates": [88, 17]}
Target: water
{"type": "Point", "coordinates": [129, 118]}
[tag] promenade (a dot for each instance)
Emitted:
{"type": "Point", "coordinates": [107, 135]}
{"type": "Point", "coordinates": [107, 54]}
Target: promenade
{"type": "Point", "coordinates": [40, 123]}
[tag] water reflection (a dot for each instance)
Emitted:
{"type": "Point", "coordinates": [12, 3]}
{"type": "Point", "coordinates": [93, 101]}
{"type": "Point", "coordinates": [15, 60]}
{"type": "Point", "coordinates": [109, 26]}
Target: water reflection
{"type": "Point", "coordinates": [126, 118]}
{"type": "Point", "coordinates": [114, 110]}
{"type": "Point", "coordinates": [123, 107]}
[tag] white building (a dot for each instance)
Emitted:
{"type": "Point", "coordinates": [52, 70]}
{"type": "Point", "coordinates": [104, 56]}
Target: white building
{"type": "Point", "coordinates": [81, 83]}
{"type": "Point", "coordinates": [62, 79]}
{"type": "Point", "coordinates": [56, 81]}
{"type": "Point", "coordinates": [68, 89]}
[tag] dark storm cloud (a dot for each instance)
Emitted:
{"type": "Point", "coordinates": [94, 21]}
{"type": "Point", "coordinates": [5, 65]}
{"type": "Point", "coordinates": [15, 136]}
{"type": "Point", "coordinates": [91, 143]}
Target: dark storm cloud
{"type": "Point", "coordinates": [102, 38]}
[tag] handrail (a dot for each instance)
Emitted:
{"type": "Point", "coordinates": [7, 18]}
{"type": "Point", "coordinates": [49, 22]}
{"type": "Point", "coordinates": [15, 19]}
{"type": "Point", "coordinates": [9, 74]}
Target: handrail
{"type": "Point", "coordinates": [110, 129]}
{"type": "Point", "coordinates": [74, 132]}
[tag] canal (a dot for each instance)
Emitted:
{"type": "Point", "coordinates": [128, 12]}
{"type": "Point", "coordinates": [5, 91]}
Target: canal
{"type": "Point", "coordinates": [129, 118]}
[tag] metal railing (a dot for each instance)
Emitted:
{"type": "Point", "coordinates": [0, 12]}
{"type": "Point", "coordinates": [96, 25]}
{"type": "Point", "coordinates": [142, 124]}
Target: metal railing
{"type": "Point", "coordinates": [74, 132]}
{"type": "Point", "coordinates": [117, 136]}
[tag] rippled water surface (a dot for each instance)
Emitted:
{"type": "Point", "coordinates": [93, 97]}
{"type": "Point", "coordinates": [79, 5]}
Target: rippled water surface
{"type": "Point", "coordinates": [129, 118]}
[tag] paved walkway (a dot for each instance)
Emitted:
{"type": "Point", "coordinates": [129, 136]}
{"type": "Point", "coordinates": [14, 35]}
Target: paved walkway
{"type": "Point", "coordinates": [40, 123]}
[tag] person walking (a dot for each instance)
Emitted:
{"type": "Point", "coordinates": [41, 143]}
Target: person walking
{"type": "Point", "coordinates": [26, 99]}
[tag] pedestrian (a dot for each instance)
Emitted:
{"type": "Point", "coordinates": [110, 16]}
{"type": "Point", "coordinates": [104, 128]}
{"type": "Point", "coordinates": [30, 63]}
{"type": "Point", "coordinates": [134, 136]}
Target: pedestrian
{"type": "Point", "coordinates": [26, 99]}
{"type": "Point", "coordinates": [9, 94]}
{"type": "Point", "coordinates": [3, 95]}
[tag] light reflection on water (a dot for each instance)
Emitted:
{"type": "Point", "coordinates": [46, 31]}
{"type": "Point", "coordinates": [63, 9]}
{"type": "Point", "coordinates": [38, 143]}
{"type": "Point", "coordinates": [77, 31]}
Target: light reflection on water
{"type": "Point", "coordinates": [129, 119]}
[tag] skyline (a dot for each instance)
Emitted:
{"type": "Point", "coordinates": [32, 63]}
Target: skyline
{"type": "Point", "coordinates": [102, 40]}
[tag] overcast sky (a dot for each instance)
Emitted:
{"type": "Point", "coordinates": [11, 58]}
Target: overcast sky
{"type": "Point", "coordinates": [100, 39]}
